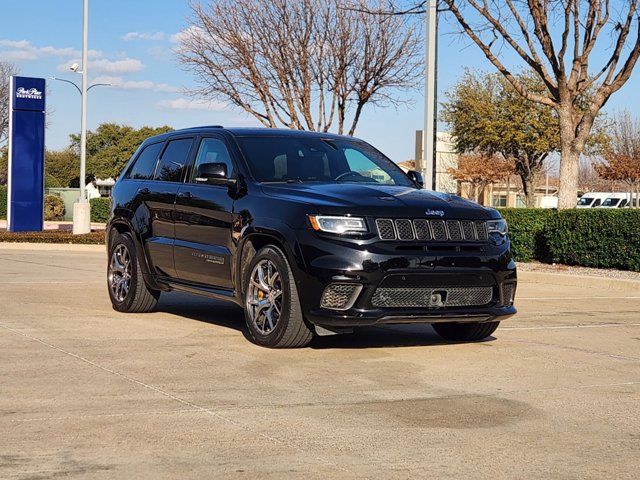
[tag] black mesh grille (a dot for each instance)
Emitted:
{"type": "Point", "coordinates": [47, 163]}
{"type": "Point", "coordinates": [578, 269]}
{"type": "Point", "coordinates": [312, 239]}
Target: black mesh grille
{"type": "Point", "coordinates": [428, 297]}
{"type": "Point", "coordinates": [508, 289]}
{"type": "Point", "coordinates": [468, 230]}
{"type": "Point", "coordinates": [455, 232]}
{"type": "Point", "coordinates": [422, 229]}
{"type": "Point", "coordinates": [439, 232]}
{"type": "Point", "coordinates": [405, 230]}
{"type": "Point", "coordinates": [385, 229]}
{"type": "Point", "coordinates": [435, 229]}
{"type": "Point", "coordinates": [339, 296]}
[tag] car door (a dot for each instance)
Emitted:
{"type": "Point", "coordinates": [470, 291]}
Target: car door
{"type": "Point", "coordinates": [204, 220]}
{"type": "Point", "coordinates": [159, 196]}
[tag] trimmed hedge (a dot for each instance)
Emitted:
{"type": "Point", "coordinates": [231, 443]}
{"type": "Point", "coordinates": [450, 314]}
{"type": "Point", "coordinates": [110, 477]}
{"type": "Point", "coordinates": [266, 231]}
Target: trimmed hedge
{"type": "Point", "coordinates": [527, 232]}
{"type": "Point", "coordinates": [53, 236]}
{"type": "Point", "coordinates": [598, 238]}
{"type": "Point", "coordinates": [3, 202]}
{"type": "Point", "coordinates": [100, 209]}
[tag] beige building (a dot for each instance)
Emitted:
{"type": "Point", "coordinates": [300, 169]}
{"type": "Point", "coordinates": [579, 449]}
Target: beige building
{"type": "Point", "coordinates": [504, 194]}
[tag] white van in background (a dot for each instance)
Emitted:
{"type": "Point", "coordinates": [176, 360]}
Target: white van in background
{"type": "Point", "coordinates": [592, 199]}
{"type": "Point", "coordinates": [617, 200]}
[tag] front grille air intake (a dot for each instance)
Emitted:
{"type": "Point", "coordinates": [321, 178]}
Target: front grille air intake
{"type": "Point", "coordinates": [340, 296]}
{"type": "Point", "coordinates": [429, 297]}
{"type": "Point", "coordinates": [435, 229]}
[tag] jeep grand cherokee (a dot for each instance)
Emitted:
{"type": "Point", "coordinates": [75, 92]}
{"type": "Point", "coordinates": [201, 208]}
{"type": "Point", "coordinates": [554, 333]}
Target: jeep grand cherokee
{"type": "Point", "coordinates": [308, 232]}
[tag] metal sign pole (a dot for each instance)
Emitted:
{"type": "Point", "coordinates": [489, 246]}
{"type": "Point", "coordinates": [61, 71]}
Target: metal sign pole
{"type": "Point", "coordinates": [429, 132]}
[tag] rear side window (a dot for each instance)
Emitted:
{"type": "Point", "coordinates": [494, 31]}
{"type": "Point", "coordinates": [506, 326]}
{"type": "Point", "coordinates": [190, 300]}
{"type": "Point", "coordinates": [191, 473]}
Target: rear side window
{"type": "Point", "coordinates": [145, 164]}
{"type": "Point", "coordinates": [174, 160]}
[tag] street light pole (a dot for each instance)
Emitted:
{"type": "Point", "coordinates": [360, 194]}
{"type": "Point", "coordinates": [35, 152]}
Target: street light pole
{"type": "Point", "coordinates": [82, 209]}
{"type": "Point", "coordinates": [430, 101]}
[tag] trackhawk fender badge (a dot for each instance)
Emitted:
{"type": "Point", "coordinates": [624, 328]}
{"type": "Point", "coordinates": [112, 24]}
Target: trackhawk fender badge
{"type": "Point", "coordinates": [434, 213]}
{"type": "Point", "coordinates": [209, 258]}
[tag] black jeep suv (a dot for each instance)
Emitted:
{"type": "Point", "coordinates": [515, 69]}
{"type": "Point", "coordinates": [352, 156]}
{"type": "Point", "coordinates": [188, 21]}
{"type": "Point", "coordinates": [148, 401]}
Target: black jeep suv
{"type": "Point", "coordinates": [308, 232]}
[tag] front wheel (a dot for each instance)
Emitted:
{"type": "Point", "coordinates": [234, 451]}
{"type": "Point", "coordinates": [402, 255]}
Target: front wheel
{"type": "Point", "coordinates": [465, 332]}
{"type": "Point", "coordinates": [272, 307]}
{"type": "Point", "coordinates": [127, 289]}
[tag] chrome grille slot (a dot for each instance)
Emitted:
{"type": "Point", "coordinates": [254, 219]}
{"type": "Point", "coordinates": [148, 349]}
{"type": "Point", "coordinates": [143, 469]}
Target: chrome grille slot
{"type": "Point", "coordinates": [421, 227]}
{"type": "Point", "coordinates": [430, 297]}
{"type": "Point", "coordinates": [481, 228]}
{"type": "Point", "coordinates": [439, 230]}
{"type": "Point", "coordinates": [468, 230]}
{"type": "Point", "coordinates": [454, 230]}
{"type": "Point", "coordinates": [404, 229]}
{"type": "Point", "coordinates": [386, 230]}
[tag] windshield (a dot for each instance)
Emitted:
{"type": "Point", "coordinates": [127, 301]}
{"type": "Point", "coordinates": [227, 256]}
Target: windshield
{"type": "Point", "coordinates": [584, 201]}
{"type": "Point", "coordinates": [611, 202]}
{"type": "Point", "coordinates": [287, 159]}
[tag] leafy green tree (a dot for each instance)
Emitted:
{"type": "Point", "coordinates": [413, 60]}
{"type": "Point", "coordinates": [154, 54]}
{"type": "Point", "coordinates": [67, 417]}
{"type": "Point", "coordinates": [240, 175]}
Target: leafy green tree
{"type": "Point", "coordinates": [110, 146]}
{"type": "Point", "coordinates": [487, 116]}
{"type": "Point", "coordinates": [61, 167]}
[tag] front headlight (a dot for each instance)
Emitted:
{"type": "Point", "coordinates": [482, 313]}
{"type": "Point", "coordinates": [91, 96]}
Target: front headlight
{"type": "Point", "coordinates": [339, 225]}
{"type": "Point", "coordinates": [497, 226]}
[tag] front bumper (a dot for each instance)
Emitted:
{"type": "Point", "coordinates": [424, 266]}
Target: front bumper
{"type": "Point", "coordinates": [328, 260]}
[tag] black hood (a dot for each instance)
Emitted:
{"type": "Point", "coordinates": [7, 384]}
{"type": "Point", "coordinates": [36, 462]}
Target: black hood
{"type": "Point", "coordinates": [378, 200]}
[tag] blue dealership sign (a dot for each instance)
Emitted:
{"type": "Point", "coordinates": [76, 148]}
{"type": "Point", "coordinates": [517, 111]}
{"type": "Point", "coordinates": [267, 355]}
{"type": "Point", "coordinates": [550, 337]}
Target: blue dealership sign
{"type": "Point", "coordinates": [25, 200]}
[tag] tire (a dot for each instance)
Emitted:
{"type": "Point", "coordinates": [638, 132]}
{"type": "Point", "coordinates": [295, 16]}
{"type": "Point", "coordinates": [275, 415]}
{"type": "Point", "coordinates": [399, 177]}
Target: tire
{"type": "Point", "coordinates": [273, 314]}
{"type": "Point", "coordinates": [465, 332]}
{"type": "Point", "coordinates": [136, 297]}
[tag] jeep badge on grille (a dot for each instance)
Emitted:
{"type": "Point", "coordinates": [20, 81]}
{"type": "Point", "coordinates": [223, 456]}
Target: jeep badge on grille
{"type": "Point", "coordinates": [434, 213]}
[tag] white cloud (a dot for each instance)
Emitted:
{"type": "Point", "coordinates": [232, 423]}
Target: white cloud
{"type": "Point", "coordinates": [25, 50]}
{"type": "Point", "coordinates": [143, 36]}
{"type": "Point", "coordinates": [192, 104]}
{"type": "Point", "coordinates": [186, 33]}
{"type": "Point", "coordinates": [119, 82]}
{"type": "Point", "coordinates": [104, 65]}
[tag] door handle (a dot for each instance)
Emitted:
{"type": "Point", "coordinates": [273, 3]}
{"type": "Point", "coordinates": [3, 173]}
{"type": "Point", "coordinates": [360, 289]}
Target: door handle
{"type": "Point", "coordinates": [185, 195]}
{"type": "Point", "coordinates": [145, 191]}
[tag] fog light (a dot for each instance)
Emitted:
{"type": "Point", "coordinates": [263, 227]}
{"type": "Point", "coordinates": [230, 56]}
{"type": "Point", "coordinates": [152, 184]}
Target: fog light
{"type": "Point", "coordinates": [340, 296]}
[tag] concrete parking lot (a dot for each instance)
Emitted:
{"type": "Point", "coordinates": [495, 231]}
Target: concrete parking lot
{"type": "Point", "coordinates": [86, 392]}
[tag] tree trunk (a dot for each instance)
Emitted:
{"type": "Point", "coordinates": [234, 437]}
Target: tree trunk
{"type": "Point", "coordinates": [529, 190]}
{"type": "Point", "coordinates": [569, 159]}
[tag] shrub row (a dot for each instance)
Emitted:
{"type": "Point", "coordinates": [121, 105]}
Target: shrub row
{"type": "Point", "coordinates": [598, 238]}
{"type": "Point", "coordinates": [53, 236]}
{"type": "Point", "coordinates": [100, 209]}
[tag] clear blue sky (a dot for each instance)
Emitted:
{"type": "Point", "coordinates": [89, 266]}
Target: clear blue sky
{"type": "Point", "coordinates": [132, 42]}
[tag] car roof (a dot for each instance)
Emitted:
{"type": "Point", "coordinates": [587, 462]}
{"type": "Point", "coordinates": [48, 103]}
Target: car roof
{"type": "Point", "coordinates": [246, 132]}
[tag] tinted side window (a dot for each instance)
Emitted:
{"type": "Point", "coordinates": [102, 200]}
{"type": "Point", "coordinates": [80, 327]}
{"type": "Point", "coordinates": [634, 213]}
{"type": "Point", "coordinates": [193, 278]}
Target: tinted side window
{"type": "Point", "coordinates": [145, 164]}
{"type": "Point", "coordinates": [212, 150]}
{"type": "Point", "coordinates": [173, 161]}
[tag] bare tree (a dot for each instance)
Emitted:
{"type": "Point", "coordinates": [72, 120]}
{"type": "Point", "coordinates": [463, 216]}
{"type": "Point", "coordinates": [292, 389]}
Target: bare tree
{"type": "Point", "coordinates": [622, 156]}
{"type": "Point", "coordinates": [6, 71]}
{"type": "Point", "coordinates": [558, 40]}
{"type": "Point", "coordinates": [304, 64]}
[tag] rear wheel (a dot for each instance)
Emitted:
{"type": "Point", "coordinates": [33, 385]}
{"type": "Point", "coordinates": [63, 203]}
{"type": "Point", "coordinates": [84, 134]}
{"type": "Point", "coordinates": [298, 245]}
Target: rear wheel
{"type": "Point", "coordinates": [272, 307]}
{"type": "Point", "coordinates": [465, 332]}
{"type": "Point", "coordinates": [127, 289]}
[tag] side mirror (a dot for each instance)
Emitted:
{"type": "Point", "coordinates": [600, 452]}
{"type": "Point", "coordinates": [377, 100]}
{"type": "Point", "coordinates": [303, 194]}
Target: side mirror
{"type": "Point", "coordinates": [214, 174]}
{"type": "Point", "coordinates": [416, 177]}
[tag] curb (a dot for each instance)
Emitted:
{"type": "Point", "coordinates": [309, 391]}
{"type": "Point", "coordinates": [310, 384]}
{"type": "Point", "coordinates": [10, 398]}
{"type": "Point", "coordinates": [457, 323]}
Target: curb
{"type": "Point", "coordinates": [51, 247]}
{"type": "Point", "coordinates": [585, 281]}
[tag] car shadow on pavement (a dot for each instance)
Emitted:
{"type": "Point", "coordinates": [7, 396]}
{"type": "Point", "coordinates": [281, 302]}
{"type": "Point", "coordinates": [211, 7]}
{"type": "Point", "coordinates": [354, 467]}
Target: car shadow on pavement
{"type": "Point", "coordinates": [228, 315]}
